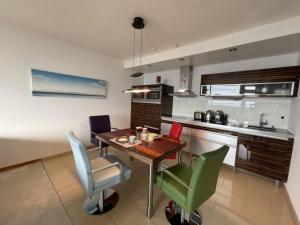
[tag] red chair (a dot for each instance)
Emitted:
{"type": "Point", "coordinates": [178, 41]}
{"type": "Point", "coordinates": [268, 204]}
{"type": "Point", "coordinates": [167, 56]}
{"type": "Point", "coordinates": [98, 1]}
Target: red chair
{"type": "Point", "coordinates": [175, 133]}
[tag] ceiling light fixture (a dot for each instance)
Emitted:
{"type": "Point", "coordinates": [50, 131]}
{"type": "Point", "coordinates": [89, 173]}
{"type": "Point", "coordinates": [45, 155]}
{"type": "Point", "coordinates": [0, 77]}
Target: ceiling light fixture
{"type": "Point", "coordinates": [133, 90]}
{"type": "Point", "coordinates": [138, 24]}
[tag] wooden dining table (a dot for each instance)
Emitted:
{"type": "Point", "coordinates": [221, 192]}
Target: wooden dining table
{"type": "Point", "coordinates": [149, 152]}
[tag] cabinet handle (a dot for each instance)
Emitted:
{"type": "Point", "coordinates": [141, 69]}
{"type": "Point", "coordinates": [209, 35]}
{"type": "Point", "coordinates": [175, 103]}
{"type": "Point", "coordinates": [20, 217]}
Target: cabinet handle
{"type": "Point", "coordinates": [249, 155]}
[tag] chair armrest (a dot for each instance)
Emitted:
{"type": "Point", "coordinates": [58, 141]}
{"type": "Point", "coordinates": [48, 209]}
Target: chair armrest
{"type": "Point", "coordinates": [109, 166]}
{"type": "Point", "coordinates": [113, 128]}
{"type": "Point", "coordinates": [106, 167]}
{"type": "Point", "coordinates": [93, 149]}
{"type": "Point", "coordinates": [172, 175]}
{"type": "Point", "coordinates": [93, 133]}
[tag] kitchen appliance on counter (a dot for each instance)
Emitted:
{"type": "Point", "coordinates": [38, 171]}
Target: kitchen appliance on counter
{"type": "Point", "coordinates": [199, 116]}
{"type": "Point", "coordinates": [220, 118]}
{"type": "Point", "coordinates": [210, 116]}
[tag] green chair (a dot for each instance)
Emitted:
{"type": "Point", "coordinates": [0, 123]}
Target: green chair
{"type": "Point", "coordinates": [190, 187]}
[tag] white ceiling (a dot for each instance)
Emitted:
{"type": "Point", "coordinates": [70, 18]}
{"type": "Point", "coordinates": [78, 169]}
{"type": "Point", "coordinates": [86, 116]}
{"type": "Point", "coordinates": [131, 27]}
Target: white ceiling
{"type": "Point", "coordinates": [271, 47]}
{"type": "Point", "coordinates": [104, 26]}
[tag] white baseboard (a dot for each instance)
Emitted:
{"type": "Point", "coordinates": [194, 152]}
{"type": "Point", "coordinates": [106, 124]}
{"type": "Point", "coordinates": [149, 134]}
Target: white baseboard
{"type": "Point", "coordinates": [294, 214]}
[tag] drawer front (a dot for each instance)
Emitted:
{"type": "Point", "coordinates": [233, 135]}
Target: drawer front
{"type": "Point", "coordinates": [137, 115]}
{"type": "Point", "coordinates": [275, 174]}
{"type": "Point", "coordinates": [187, 131]}
{"type": "Point", "coordinates": [265, 156]}
{"type": "Point", "coordinates": [273, 162]}
{"type": "Point", "coordinates": [223, 139]}
{"type": "Point", "coordinates": [267, 146]}
{"type": "Point", "coordinates": [199, 146]}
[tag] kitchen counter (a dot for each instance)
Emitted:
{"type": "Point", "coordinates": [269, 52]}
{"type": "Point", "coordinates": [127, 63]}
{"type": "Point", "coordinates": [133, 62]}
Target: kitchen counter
{"type": "Point", "coordinates": [280, 134]}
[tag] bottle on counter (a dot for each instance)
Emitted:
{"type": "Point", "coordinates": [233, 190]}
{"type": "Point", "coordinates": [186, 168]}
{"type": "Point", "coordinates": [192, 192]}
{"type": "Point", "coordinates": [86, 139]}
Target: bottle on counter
{"type": "Point", "coordinates": [144, 135]}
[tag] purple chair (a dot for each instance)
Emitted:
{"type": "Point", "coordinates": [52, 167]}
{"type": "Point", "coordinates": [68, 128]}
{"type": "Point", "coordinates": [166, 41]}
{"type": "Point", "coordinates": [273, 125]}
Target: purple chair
{"type": "Point", "coordinates": [100, 124]}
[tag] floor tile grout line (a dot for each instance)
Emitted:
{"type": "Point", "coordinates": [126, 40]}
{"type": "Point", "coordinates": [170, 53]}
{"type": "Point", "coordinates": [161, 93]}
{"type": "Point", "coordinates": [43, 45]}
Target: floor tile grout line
{"type": "Point", "coordinates": [66, 211]}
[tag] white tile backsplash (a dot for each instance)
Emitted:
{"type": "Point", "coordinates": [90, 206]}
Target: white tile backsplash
{"type": "Point", "coordinates": [238, 111]}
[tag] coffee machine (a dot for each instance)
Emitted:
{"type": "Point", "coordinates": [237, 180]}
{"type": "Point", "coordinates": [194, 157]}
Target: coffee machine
{"type": "Point", "coordinates": [210, 116]}
{"type": "Point", "coordinates": [199, 116]}
{"type": "Point", "coordinates": [220, 117]}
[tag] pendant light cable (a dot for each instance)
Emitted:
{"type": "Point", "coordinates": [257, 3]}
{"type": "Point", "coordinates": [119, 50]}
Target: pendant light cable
{"type": "Point", "coordinates": [141, 49]}
{"type": "Point", "coordinates": [133, 52]}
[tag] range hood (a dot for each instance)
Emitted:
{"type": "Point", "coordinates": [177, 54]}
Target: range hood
{"type": "Point", "coordinates": [185, 82]}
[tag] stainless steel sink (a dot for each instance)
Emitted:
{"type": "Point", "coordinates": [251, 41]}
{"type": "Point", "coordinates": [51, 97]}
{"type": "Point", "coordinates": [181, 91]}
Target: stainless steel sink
{"type": "Point", "coordinates": [272, 129]}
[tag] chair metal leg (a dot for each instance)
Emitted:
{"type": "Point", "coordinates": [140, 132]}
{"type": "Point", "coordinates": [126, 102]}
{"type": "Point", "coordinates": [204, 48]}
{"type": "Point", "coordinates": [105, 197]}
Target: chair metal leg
{"type": "Point", "coordinates": [177, 216]}
{"type": "Point", "coordinates": [150, 191]}
{"type": "Point", "coordinates": [101, 202]}
{"type": "Point", "coordinates": [179, 156]}
{"type": "Point", "coordinates": [101, 196]}
{"type": "Point", "coordinates": [182, 216]}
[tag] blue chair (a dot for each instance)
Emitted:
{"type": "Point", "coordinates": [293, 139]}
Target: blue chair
{"type": "Point", "coordinates": [97, 176]}
{"type": "Point", "coordinates": [100, 124]}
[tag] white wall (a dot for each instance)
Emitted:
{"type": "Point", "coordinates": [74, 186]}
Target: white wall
{"type": "Point", "coordinates": [35, 127]}
{"type": "Point", "coordinates": [293, 184]}
{"type": "Point", "coordinates": [247, 109]}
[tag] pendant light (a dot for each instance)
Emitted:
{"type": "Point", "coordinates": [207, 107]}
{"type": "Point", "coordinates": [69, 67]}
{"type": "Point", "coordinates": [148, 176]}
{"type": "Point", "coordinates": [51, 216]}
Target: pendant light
{"type": "Point", "coordinates": [138, 24]}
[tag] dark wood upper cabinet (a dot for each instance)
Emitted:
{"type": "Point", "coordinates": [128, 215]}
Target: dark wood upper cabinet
{"type": "Point", "coordinates": [282, 74]}
{"type": "Point", "coordinates": [220, 78]}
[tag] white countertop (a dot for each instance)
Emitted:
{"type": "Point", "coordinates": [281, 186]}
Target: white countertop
{"type": "Point", "coordinates": [280, 134]}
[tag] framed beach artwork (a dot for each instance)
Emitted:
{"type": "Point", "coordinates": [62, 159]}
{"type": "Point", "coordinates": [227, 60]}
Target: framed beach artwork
{"type": "Point", "coordinates": [45, 83]}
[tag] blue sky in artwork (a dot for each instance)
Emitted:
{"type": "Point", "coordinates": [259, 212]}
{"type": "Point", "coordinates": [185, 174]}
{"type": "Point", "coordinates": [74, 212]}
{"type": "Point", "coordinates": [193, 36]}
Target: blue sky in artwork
{"type": "Point", "coordinates": [45, 81]}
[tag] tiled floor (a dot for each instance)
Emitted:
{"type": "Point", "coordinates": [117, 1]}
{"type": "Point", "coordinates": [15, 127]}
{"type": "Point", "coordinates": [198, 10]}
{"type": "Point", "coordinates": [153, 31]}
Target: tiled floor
{"type": "Point", "coordinates": [240, 199]}
{"type": "Point", "coordinates": [27, 197]}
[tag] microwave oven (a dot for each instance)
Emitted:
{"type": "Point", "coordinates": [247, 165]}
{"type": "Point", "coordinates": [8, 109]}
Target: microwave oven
{"type": "Point", "coordinates": [220, 90]}
{"type": "Point", "coordinates": [153, 96]}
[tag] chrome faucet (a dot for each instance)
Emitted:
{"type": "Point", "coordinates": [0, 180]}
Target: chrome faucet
{"type": "Point", "coordinates": [261, 122]}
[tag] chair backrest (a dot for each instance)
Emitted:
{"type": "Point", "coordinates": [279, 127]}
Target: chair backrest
{"type": "Point", "coordinates": [100, 124]}
{"type": "Point", "coordinates": [175, 131]}
{"type": "Point", "coordinates": [82, 163]}
{"type": "Point", "coordinates": [205, 176]}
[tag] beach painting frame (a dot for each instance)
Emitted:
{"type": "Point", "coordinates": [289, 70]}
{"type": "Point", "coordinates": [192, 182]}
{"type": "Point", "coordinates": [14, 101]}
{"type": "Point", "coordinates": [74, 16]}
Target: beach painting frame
{"type": "Point", "coordinates": [45, 83]}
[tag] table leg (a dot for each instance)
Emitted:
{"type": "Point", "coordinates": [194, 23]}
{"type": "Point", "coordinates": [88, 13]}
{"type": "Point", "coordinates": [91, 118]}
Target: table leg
{"type": "Point", "coordinates": [180, 156]}
{"type": "Point", "coordinates": [152, 172]}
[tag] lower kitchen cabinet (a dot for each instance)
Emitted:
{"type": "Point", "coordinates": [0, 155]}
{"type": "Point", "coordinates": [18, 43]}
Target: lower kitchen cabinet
{"type": "Point", "coordinates": [200, 141]}
{"type": "Point", "coordinates": [205, 141]}
{"type": "Point", "coordinates": [265, 156]}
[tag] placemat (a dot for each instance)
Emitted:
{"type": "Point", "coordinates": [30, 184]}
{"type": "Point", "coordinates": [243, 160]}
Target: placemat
{"type": "Point", "coordinates": [125, 145]}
